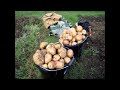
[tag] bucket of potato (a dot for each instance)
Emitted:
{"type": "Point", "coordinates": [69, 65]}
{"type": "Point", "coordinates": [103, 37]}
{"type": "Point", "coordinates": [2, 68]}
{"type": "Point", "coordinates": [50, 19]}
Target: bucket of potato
{"type": "Point", "coordinates": [53, 59]}
{"type": "Point", "coordinates": [74, 39]}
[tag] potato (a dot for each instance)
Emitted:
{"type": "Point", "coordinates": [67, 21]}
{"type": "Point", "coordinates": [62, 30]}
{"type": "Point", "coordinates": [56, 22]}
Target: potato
{"type": "Point", "coordinates": [68, 32]}
{"type": "Point", "coordinates": [79, 33]}
{"type": "Point", "coordinates": [51, 50]}
{"type": "Point", "coordinates": [62, 52]}
{"type": "Point", "coordinates": [69, 38]}
{"type": "Point", "coordinates": [43, 45]}
{"type": "Point", "coordinates": [64, 36]}
{"type": "Point", "coordinates": [38, 59]}
{"type": "Point", "coordinates": [79, 28]}
{"type": "Point", "coordinates": [83, 36]}
{"type": "Point", "coordinates": [56, 57]}
{"type": "Point", "coordinates": [74, 43]}
{"type": "Point", "coordinates": [51, 65]}
{"type": "Point", "coordinates": [50, 45]}
{"type": "Point", "coordinates": [79, 41]}
{"type": "Point", "coordinates": [59, 65]}
{"type": "Point", "coordinates": [44, 52]}
{"type": "Point", "coordinates": [84, 32]}
{"type": "Point", "coordinates": [61, 49]}
{"type": "Point", "coordinates": [48, 58]}
{"type": "Point", "coordinates": [45, 66]}
{"type": "Point", "coordinates": [78, 37]}
{"type": "Point", "coordinates": [62, 60]}
{"type": "Point", "coordinates": [67, 60]}
{"type": "Point", "coordinates": [37, 51]}
{"type": "Point", "coordinates": [73, 39]}
{"type": "Point", "coordinates": [73, 32]}
{"type": "Point", "coordinates": [71, 29]}
{"type": "Point", "coordinates": [70, 53]}
{"type": "Point", "coordinates": [57, 45]}
{"type": "Point", "coordinates": [65, 31]}
{"type": "Point", "coordinates": [65, 42]}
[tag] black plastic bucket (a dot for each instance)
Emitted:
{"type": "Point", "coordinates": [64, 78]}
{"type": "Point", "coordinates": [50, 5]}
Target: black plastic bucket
{"type": "Point", "coordinates": [55, 73]}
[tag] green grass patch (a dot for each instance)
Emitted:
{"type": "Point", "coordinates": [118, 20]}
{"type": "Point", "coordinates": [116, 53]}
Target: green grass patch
{"type": "Point", "coordinates": [76, 71]}
{"type": "Point", "coordinates": [90, 52]}
{"type": "Point", "coordinates": [51, 39]}
{"type": "Point", "coordinates": [64, 13]}
{"type": "Point", "coordinates": [24, 47]}
{"type": "Point", "coordinates": [71, 16]}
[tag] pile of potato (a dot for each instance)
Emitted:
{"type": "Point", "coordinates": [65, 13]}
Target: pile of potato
{"type": "Point", "coordinates": [73, 36]}
{"type": "Point", "coordinates": [52, 55]}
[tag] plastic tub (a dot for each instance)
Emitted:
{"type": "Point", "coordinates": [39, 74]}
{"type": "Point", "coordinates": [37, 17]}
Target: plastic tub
{"type": "Point", "coordinates": [55, 73]}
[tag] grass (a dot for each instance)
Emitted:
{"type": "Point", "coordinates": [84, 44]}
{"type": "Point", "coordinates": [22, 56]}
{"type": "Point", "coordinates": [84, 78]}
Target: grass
{"type": "Point", "coordinates": [71, 16]}
{"type": "Point", "coordinates": [33, 33]}
{"type": "Point", "coordinates": [80, 69]}
{"type": "Point", "coordinates": [90, 52]}
{"type": "Point", "coordinates": [24, 47]}
{"type": "Point", "coordinates": [64, 13]}
{"type": "Point", "coordinates": [76, 71]}
{"type": "Point", "coordinates": [51, 39]}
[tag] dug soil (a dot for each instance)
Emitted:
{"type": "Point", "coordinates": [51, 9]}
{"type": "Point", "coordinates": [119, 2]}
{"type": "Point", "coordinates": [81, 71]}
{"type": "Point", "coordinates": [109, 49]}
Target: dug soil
{"type": "Point", "coordinates": [95, 64]}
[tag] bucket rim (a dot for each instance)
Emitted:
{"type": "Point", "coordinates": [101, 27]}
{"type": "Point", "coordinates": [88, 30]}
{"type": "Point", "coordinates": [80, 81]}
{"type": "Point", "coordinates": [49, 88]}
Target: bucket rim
{"type": "Point", "coordinates": [68, 65]}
